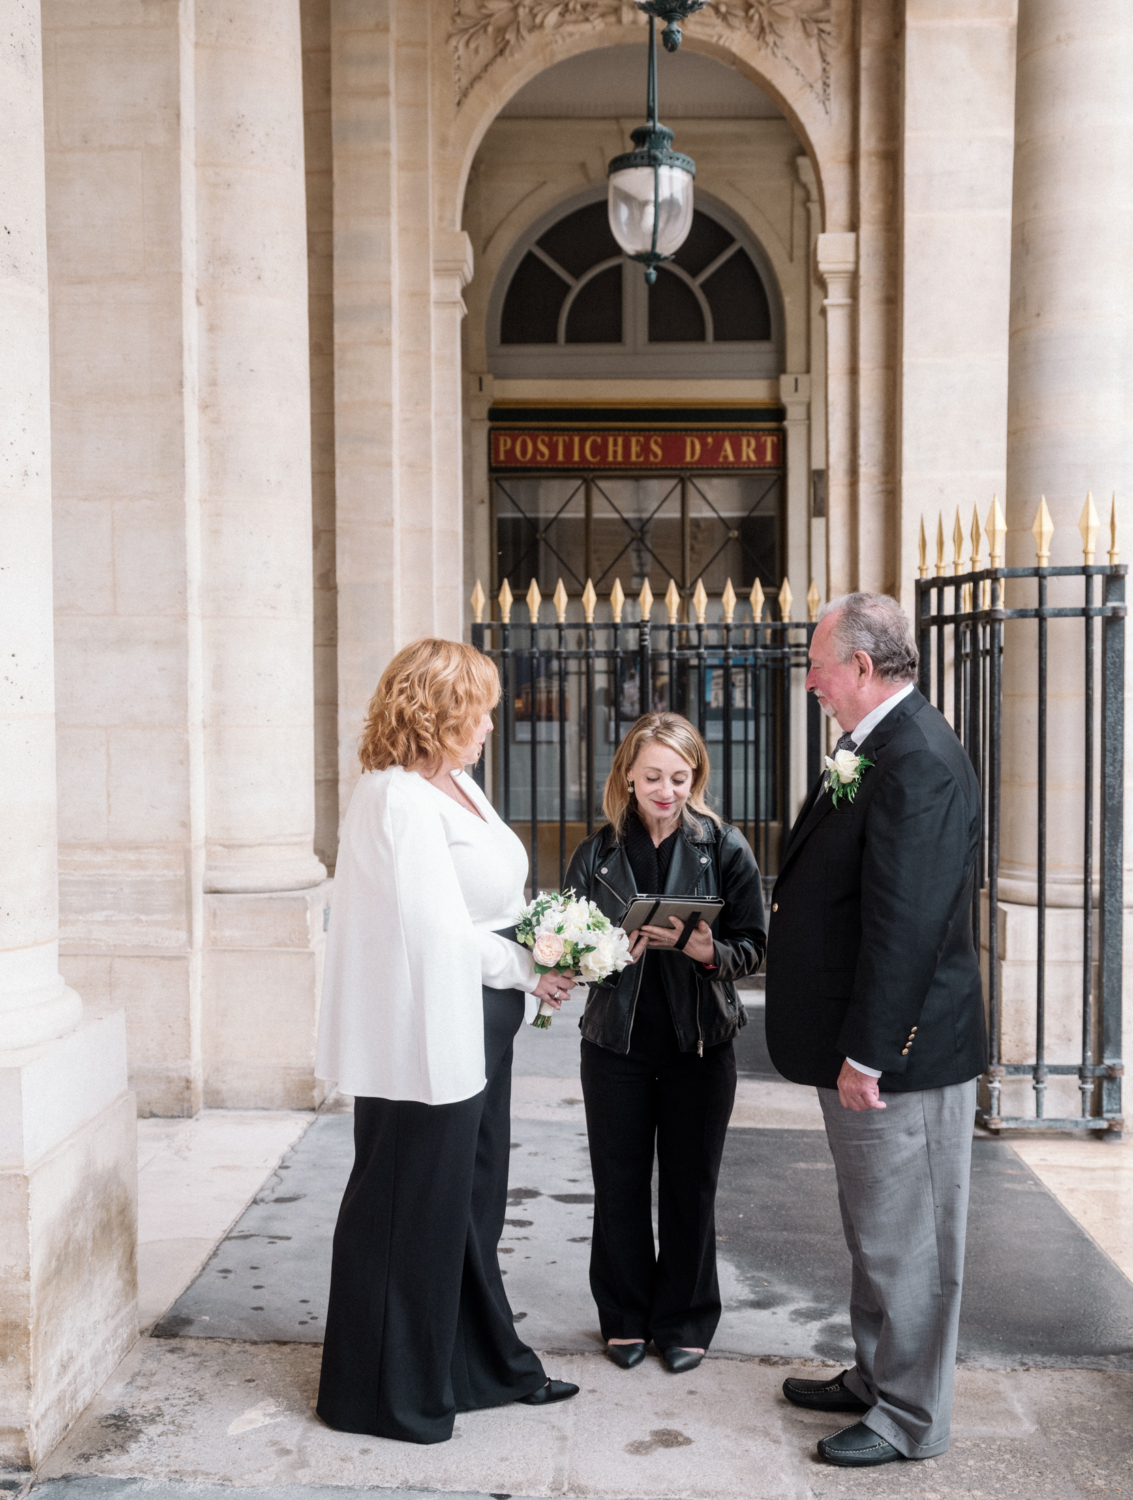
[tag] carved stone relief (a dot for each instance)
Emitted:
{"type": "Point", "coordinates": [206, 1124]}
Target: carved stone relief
{"type": "Point", "coordinates": [799, 32]}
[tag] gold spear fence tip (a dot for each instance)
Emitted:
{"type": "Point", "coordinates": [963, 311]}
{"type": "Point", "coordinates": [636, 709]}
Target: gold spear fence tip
{"type": "Point", "coordinates": [700, 601]}
{"type": "Point", "coordinates": [786, 599]}
{"type": "Point", "coordinates": [1042, 531]}
{"type": "Point", "coordinates": [506, 601]}
{"type": "Point", "coordinates": [996, 529]}
{"type": "Point", "coordinates": [478, 601]}
{"type": "Point", "coordinates": [1088, 525]}
{"type": "Point", "coordinates": [1114, 552]}
{"type": "Point", "coordinates": [534, 599]}
{"type": "Point", "coordinates": [940, 544]}
{"type": "Point", "coordinates": [977, 538]}
{"type": "Point", "coordinates": [728, 601]}
{"type": "Point", "coordinates": [589, 600]}
{"type": "Point", "coordinates": [958, 545]}
{"type": "Point", "coordinates": [922, 549]}
{"type": "Point", "coordinates": [757, 601]}
{"type": "Point", "coordinates": [673, 601]}
{"type": "Point", "coordinates": [645, 599]}
{"type": "Point", "coordinates": [560, 597]}
{"type": "Point", "coordinates": [814, 598]}
{"type": "Point", "coordinates": [617, 600]}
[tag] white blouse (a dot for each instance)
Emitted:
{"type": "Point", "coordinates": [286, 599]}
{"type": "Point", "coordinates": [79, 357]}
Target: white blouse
{"type": "Point", "coordinates": [421, 888]}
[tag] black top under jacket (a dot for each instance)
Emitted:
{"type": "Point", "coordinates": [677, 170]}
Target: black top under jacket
{"type": "Point", "coordinates": [716, 862]}
{"type": "Point", "coordinates": [870, 952]}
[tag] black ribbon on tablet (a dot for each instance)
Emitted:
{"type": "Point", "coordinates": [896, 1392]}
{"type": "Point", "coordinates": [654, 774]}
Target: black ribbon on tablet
{"type": "Point", "coordinates": [689, 928]}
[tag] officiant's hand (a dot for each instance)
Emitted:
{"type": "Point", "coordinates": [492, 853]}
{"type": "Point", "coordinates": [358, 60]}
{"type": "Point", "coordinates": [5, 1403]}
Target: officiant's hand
{"type": "Point", "coordinates": [699, 946]}
{"type": "Point", "coordinates": [858, 1091]}
{"type": "Point", "coordinates": [554, 987]}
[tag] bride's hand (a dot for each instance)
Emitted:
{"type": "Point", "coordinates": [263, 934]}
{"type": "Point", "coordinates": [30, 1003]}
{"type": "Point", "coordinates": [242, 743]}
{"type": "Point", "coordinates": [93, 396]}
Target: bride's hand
{"type": "Point", "coordinates": [554, 988]}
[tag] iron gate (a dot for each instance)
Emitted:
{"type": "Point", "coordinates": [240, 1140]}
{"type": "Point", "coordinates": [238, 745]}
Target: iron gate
{"type": "Point", "coordinates": [570, 689]}
{"type": "Point", "coordinates": [968, 636]}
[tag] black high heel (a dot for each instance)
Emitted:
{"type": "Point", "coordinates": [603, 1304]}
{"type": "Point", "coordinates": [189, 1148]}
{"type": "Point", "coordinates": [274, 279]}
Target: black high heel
{"type": "Point", "coordinates": [554, 1390]}
{"type": "Point", "coordinates": [677, 1361]}
{"type": "Point", "coordinates": [626, 1356]}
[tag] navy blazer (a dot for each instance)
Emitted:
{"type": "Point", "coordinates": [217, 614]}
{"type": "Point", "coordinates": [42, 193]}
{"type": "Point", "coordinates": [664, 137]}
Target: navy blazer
{"type": "Point", "coordinates": [869, 950]}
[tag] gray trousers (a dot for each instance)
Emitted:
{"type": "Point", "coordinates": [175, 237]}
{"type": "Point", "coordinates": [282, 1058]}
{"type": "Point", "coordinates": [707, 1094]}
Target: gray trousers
{"type": "Point", "coordinates": [903, 1175]}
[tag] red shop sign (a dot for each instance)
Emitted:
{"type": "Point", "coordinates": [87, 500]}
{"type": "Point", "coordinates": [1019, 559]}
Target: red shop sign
{"type": "Point", "coordinates": [527, 448]}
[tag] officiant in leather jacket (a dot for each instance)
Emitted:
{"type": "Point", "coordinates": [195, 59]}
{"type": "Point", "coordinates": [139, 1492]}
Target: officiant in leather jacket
{"type": "Point", "coordinates": [658, 1068]}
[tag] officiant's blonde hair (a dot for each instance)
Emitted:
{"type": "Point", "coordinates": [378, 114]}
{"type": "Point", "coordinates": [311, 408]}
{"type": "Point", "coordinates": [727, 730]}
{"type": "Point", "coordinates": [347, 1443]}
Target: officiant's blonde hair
{"type": "Point", "coordinates": [427, 704]}
{"type": "Point", "coordinates": [675, 732]}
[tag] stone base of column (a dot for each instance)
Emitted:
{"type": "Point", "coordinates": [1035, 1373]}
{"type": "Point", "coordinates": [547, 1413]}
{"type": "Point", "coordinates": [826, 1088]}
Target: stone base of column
{"type": "Point", "coordinates": [263, 962]}
{"type": "Point", "coordinates": [1018, 946]}
{"type": "Point", "coordinates": [68, 1230]}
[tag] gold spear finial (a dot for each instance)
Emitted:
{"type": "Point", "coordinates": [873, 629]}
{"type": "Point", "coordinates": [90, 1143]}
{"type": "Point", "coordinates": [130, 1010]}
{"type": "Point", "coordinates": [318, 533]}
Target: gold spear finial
{"type": "Point", "coordinates": [534, 599]}
{"type": "Point", "coordinates": [589, 600]}
{"type": "Point", "coordinates": [922, 547]}
{"type": "Point", "coordinates": [1088, 525]}
{"type": "Point", "coordinates": [1114, 553]}
{"type": "Point", "coordinates": [478, 601]}
{"type": "Point", "coordinates": [673, 601]}
{"type": "Point", "coordinates": [786, 599]}
{"type": "Point", "coordinates": [940, 544]}
{"type": "Point", "coordinates": [700, 601]}
{"type": "Point", "coordinates": [996, 529]}
{"type": "Point", "coordinates": [617, 600]}
{"type": "Point", "coordinates": [814, 598]}
{"type": "Point", "coordinates": [645, 599]}
{"type": "Point", "coordinates": [957, 545]}
{"type": "Point", "coordinates": [560, 597]}
{"type": "Point", "coordinates": [506, 600]}
{"type": "Point", "coordinates": [728, 601]}
{"type": "Point", "coordinates": [757, 601]}
{"type": "Point", "coordinates": [977, 539]}
{"type": "Point", "coordinates": [1042, 531]}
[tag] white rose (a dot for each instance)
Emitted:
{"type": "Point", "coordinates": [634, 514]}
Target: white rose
{"type": "Point", "coordinates": [610, 953]}
{"type": "Point", "coordinates": [844, 765]}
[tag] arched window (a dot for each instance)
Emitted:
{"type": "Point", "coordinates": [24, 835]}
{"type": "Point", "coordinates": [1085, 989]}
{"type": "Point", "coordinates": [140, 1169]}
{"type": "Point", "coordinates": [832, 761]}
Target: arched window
{"type": "Point", "coordinates": [569, 303]}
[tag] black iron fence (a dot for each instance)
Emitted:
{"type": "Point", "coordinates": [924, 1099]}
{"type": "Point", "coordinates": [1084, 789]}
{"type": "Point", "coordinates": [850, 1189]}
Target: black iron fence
{"type": "Point", "coordinates": [978, 630]}
{"type": "Point", "coordinates": [572, 687]}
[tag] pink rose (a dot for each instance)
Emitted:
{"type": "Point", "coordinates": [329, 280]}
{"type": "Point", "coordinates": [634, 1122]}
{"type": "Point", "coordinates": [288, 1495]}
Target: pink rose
{"type": "Point", "coordinates": [548, 949]}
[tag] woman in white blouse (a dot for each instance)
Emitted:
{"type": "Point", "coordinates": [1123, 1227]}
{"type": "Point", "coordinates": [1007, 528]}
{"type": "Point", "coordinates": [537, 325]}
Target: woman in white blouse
{"type": "Point", "coordinates": [423, 993]}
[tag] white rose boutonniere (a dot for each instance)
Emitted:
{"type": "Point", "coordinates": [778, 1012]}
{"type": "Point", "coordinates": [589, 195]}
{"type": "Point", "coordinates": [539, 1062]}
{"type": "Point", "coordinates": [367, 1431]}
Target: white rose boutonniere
{"type": "Point", "coordinates": [844, 772]}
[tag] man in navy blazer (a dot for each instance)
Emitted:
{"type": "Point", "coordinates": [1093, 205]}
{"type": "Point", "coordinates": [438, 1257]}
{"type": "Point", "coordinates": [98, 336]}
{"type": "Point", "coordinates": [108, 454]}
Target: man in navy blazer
{"type": "Point", "coordinates": [874, 996]}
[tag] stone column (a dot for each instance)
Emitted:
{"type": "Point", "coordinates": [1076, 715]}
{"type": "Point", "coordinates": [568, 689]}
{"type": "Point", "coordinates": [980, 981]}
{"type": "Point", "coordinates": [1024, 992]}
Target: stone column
{"type": "Point", "coordinates": [837, 257]}
{"type": "Point", "coordinates": [265, 903]}
{"type": "Point", "coordinates": [68, 1164]}
{"type": "Point", "coordinates": [255, 446]}
{"type": "Point", "coordinates": [1070, 376]}
{"type": "Point", "coordinates": [956, 159]}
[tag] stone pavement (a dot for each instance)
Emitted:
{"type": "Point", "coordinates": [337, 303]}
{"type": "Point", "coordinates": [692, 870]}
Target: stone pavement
{"type": "Point", "coordinates": [222, 1395]}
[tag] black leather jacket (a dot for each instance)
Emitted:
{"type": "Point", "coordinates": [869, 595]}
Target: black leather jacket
{"type": "Point", "coordinates": [703, 1001]}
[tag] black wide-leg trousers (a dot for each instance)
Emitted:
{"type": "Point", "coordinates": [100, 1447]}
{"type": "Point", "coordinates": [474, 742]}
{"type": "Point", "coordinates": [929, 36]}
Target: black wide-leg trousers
{"type": "Point", "coordinates": [678, 1104]}
{"type": "Point", "coordinates": [419, 1326]}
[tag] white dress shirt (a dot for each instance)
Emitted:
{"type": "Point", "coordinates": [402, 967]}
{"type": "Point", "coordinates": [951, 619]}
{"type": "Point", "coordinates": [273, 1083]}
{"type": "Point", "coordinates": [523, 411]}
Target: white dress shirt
{"type": "Point", "coordinates": [861, 732]}
{"type": "Point", "coordinates": [421, 888]}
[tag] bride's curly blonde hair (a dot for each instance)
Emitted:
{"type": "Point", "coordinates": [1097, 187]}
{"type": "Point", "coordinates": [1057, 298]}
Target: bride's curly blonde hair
{"type": "Point", "coordinates": [427, 705]}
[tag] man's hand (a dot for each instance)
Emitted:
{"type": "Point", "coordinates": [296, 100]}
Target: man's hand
{"type": "Point", "coordinates": [858, 1091]}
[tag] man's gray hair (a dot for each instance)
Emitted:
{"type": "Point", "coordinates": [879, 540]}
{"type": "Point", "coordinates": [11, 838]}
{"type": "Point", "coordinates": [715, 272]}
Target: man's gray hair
{"type": "Point", "coordinates": [877, 625]}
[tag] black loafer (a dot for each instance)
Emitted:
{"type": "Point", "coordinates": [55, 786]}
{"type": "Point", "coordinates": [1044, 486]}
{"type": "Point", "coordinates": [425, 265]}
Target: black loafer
{"type": "Point", "coordinates": [626, 1356]}
{"type": "Point", "coordinates": [823, 1395]}
{"type": "Point", "coordinates": [677, 1361]}
{"type": "Point", "coordinates": [554, 1390]}
{"type": "Point", "coordinates": [857, 1447]}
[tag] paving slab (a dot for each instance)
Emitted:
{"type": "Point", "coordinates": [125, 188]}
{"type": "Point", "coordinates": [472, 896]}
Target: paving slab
{"type": "Point", "coordinates": [194, 1414]}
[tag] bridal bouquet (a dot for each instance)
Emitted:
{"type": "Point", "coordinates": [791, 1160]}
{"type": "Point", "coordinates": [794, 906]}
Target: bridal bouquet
{"type": "Point", "coordinates": [564, 933]}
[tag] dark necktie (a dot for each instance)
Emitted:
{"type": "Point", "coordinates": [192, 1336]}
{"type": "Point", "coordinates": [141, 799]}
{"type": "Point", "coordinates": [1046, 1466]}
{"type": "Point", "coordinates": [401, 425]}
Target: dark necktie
{"type": "Point", "coordinates": [845, 742]}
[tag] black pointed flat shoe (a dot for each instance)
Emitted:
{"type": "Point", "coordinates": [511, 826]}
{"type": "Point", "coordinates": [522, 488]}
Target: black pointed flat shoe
{"type": "Point", "coordinates": [554, 1390]}
{"type": "Point", "coordinates": [857, 1447]}
{"type": "Point", "coordinates": [677, 1361]}
{"type": "Point", "coordinates": [823, 1395]}
{"type": "Point", "coordinates": [626, 1356]}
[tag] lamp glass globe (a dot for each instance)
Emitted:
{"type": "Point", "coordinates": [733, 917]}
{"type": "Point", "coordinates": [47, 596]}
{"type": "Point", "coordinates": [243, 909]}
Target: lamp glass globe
{"type": "Point", "coordinates": [633, 202]}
